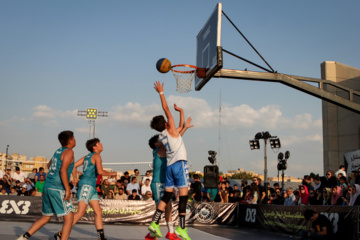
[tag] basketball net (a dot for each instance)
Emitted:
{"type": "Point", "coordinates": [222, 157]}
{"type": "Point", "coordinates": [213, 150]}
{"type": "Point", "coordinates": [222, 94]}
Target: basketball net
{"type": "Point", "coordinates": [184, 75]}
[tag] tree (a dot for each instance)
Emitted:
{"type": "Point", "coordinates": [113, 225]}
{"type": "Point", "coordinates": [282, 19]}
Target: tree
{"type": "Point", "coordinates": [242, 175]}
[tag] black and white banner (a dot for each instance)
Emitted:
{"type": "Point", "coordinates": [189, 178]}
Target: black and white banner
{"type": "Point", "coordinates": [290, 219]}
{"type": "Point", "coordinates": [13, 208]}
{"type": "Point", "coordinates": [353, 161]}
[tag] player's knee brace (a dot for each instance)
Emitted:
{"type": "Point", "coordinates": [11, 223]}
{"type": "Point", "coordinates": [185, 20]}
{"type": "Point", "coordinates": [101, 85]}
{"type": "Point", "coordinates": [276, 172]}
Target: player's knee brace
{"type": "Point", "coordinates": [182, 204]}
{"type": "Point", "coordinates": [167, 196]}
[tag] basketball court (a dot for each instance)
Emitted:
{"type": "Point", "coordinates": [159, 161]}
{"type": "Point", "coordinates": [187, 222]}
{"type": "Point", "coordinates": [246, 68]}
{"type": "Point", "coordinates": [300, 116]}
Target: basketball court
{"type": "Point", "coordinates": [12, 230]}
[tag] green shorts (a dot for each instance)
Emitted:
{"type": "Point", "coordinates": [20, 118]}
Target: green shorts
{"type": "Point", "coordinates": [87, 194]}
{"type": "Point", "coordinates": [53, 203]}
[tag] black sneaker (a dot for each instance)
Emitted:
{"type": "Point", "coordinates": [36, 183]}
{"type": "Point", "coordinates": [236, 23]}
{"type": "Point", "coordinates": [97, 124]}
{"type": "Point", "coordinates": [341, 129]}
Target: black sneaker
{"type": "Point", "coordinates": [57, 236]}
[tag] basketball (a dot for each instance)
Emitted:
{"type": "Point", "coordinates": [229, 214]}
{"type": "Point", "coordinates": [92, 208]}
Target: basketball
{"type": "Point", "coordinates": [163, 65]}
{"type": "Point", "coordinates": [201, 72]}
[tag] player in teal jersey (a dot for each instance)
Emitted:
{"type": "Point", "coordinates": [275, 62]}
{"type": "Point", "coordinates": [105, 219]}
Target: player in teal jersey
{"type": "Point", "coordinates": [56, 195]}
{"type": "Point", "coordinates": [87, 193]}
{"type": "Point", "coordinates": [159, 168]}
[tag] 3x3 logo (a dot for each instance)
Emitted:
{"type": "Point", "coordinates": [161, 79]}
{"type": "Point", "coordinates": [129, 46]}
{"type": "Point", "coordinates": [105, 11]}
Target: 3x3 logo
{"type": "Point", "coordinates": [11, 206]}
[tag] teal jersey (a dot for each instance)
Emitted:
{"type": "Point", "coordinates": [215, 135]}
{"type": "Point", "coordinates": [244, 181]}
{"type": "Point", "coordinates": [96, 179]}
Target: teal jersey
{"type": "Point", "coordinates": [53, 179]}
{"type": "Point", "coordinates": [159, 165]}
{"type": "Point", "coordinates": [90, 172]}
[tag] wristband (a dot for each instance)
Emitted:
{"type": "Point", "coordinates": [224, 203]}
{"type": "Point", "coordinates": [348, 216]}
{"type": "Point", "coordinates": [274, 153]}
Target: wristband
{"type": "Point", "coordinates": [161, 92]}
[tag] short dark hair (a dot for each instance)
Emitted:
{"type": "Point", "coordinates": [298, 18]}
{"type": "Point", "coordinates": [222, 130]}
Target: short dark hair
{"type": "Point", "coordinates": [153, 140]}
{"type": "Point", "coordinates": [41, 168]}
{"type": "Point", "coordinates": [64, 137]}
{"type": "Point", "coordinates": [307, 177]}
{"type": "Point", "coordinates": [309, 213]}
{"type": "Point", "coordinates": [343, 178]}
{"type": "Point", "coordinates": [276, 184]}
{"type": "Point", "coordinates": [342, 166]}
{"type": "Point", "coordinates": [136, 170]}
{"type": "Point", "coordinates": [133, 178]}
{"type": "Point", "coordinates": [91, 143]}
{"type": "Point", "coordinates": [158, 123]}
{"type": "Point", "coordinates": [134, 190]}
{"type": "Point", "coordinates": [196, 176]}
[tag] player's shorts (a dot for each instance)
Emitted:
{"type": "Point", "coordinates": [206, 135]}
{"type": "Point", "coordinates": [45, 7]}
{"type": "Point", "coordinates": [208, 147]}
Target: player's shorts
{"type": "Point", "coordinates": [87, 194]}
{"type": "Point", "coordinates": [53, 203]}
{"type": "Point", "coordinates": [158, 190]}
{"type": "Point", "coordinates": [177, 175]}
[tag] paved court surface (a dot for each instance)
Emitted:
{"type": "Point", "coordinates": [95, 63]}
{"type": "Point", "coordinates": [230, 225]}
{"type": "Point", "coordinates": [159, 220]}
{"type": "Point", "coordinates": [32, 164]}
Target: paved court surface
{"type": "Point", "coordinates": [11, 230]}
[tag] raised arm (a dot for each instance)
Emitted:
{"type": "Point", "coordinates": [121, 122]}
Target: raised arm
{"type": "Point", "coordinates": [182, 119]}
{"type": "Point", "coordinates": [187, 126]}
{"type": "Point", "coordinates": [171, 123]}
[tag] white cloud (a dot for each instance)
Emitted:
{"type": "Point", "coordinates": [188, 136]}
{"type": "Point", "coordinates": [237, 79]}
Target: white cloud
{"type": "Point", "coordinates": [48, 116]}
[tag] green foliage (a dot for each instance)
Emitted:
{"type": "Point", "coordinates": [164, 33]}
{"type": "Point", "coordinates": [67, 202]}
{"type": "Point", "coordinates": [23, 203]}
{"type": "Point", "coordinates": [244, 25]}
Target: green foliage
{"type": "Point", "coordinates": [242, 175]}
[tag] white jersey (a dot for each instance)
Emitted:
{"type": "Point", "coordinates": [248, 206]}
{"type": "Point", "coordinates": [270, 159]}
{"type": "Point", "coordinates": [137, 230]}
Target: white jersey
{"type": "Point", "coordinates": [175, 148]}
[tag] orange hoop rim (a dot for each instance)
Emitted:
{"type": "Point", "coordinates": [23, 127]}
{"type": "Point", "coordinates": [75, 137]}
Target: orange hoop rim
{"type": "Point", "coordinates": [183, 65]}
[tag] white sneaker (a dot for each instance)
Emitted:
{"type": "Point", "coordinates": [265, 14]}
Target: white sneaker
{"type": "Point", "coordinates": [21, 238]}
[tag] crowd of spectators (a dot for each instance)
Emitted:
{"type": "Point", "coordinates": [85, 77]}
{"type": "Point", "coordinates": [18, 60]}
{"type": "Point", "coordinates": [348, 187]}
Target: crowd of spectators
{"type": "Point", "coordinates": [335, 188]}
{"type": "Point", "coordinates": [18, 183]}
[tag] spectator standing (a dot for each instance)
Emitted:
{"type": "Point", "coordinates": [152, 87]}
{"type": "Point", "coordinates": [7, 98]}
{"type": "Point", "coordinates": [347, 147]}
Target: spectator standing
{"type": "Point", "coordinates": [329, 180]}
{"type": "Point", "coordinates": [278, 199]}
{"type": "Point", "coordinates": [39, 185]}
{"type": "Point", "coordinates": [134, 195]}
{"type": "Point", "coordinates": [105, 189]}
{"type": "Point", "coordinates": [290, 198]}
{"type": "Point", "coordinates": [307, 182]}
{"type": "Point", "coordinates": [18, 175]}
{"type": "Point", "coordinates": [8, 174]}
{"type": "Point", "coordinates": [1, 174]}
{"type": "Point", "coordinates": [38, 174]}
{"type": "Point", "coordinates": [121, 195]}
{"type": "Point", "coordinates": [304, 195]}
{"type": "Point", "coordinates": [146, 188]}
{"type": "Point", "coordinates": [196, 188]}
{"type": "Point", "coordinates": [254, 194]}
{"type": "Point", "coordinates": [341, 171]}
{"type": "Point", "coordinates": [31, 175]}
{"type": "Point", "coordinates": [224, 193]}
{"type": "Point", "coordinates": [138, 177]}
{"type": "Point", "coordinates": [237, 193]}
{"type": "Point", "coordinates": [321, 227]}
{"type": "Point", "coordinates": [317, 183]}
{"type": "Point", "coordinates": [132, 185]}
{"type": "Point", "coordinates": [262, 194]}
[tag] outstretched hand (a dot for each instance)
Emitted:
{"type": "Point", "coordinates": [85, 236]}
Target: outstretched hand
{"type": "Point", "coordinates": [177, 108]}
{"type": "Point", "coordinates": [188, 123]}
{"type": "Point", "coordinates": [158, 86]}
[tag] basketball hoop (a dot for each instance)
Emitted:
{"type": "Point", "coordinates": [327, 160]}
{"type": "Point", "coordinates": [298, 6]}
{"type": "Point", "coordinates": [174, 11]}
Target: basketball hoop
{"type": "Point", "coordinates": [184, 75]}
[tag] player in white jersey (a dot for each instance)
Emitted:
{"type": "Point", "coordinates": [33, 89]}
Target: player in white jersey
{"type": "Point", "coordinates": [177, 172]}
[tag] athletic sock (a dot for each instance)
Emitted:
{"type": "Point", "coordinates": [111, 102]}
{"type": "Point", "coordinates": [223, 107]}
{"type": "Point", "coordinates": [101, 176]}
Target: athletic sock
{"type": "Point", "coordinates": [170, 226]}
{"type": "Point", "coordinates": [157, 216]}
{"type": "Point", "coordinates": [182, 221]}
{"type": "Point", "coordinates": [101, 235]}
{"type": "Point", "coordinates": [27, 235]}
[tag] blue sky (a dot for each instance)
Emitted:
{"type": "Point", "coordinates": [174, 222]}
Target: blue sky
{"type": "Point", "coordinates": [58, 57]}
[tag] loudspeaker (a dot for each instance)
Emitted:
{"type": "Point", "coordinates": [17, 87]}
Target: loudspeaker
{"type": "Point", "coordinates": [211, 176]}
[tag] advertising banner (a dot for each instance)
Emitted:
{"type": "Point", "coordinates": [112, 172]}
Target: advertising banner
{"type": "Point", "coordinates": [353, 161]}
{"type": "Point", "coordinates": [14, 208]}
{"type": "Point", "coordinates": [290, 219]}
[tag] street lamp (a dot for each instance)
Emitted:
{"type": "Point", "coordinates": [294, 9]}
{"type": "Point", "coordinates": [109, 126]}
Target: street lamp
{"type": "Point", "coordinates": [274, 143]}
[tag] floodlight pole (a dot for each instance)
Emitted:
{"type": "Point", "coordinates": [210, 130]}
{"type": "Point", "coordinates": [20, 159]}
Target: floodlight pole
{"type": "Point", "coordinates": [265, 170]}
{"type": "Point", "coordinates": [92, 120]}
